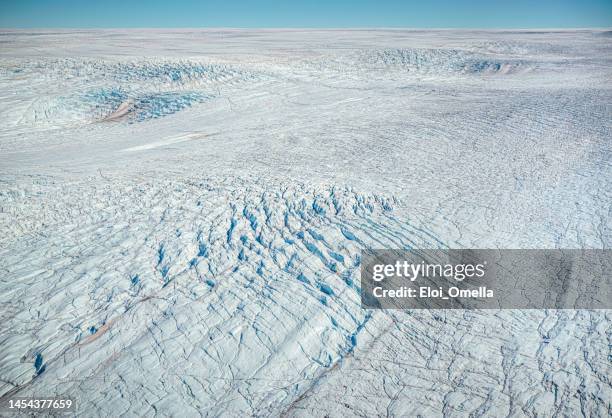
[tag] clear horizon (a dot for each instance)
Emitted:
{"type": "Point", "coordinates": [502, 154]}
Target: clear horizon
{"type": "Point", "coordinates": [314, 14]}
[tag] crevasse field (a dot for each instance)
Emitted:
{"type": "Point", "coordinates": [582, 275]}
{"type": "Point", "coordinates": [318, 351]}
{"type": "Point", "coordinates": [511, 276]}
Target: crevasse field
{"type": "Point", "coordinates": [182, 214]}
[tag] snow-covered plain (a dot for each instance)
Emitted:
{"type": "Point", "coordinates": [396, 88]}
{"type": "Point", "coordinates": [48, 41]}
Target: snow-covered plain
{"type": "Point", "coordinates": [182, 213]}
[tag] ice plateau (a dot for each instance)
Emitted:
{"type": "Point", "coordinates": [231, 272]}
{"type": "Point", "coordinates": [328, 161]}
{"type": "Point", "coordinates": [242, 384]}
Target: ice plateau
{"type": "Point", "coordinates": [182, 214]}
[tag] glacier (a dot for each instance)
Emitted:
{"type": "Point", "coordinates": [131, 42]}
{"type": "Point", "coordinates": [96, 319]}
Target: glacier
{"type": "Point", "coordinates": [182, 214]}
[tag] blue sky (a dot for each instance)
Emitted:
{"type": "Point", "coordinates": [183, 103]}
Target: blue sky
{"type": "Point", "coordinates": [306, 13]}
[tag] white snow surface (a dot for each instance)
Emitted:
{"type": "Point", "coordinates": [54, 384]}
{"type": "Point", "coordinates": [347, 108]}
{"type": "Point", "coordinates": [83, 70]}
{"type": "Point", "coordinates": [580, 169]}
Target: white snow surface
{"type": "Point", "coordinates": [182, 214]}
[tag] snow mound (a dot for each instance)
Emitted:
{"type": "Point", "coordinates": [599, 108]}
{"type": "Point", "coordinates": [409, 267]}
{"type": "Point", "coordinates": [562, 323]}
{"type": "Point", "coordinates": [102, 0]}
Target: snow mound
{"type": "Point", "coordinates": [426, 61]}
{"type": "Point", "coordinates": [438, 61]}
{"type": "Point", "coordinates": [174, 255]}
{"type": "Point", "coordinates": [72, 92]}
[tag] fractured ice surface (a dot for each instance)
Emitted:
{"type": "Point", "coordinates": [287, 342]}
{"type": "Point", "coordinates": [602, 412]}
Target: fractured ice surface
{"type": "Point", "coordinates": [182, 214]}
